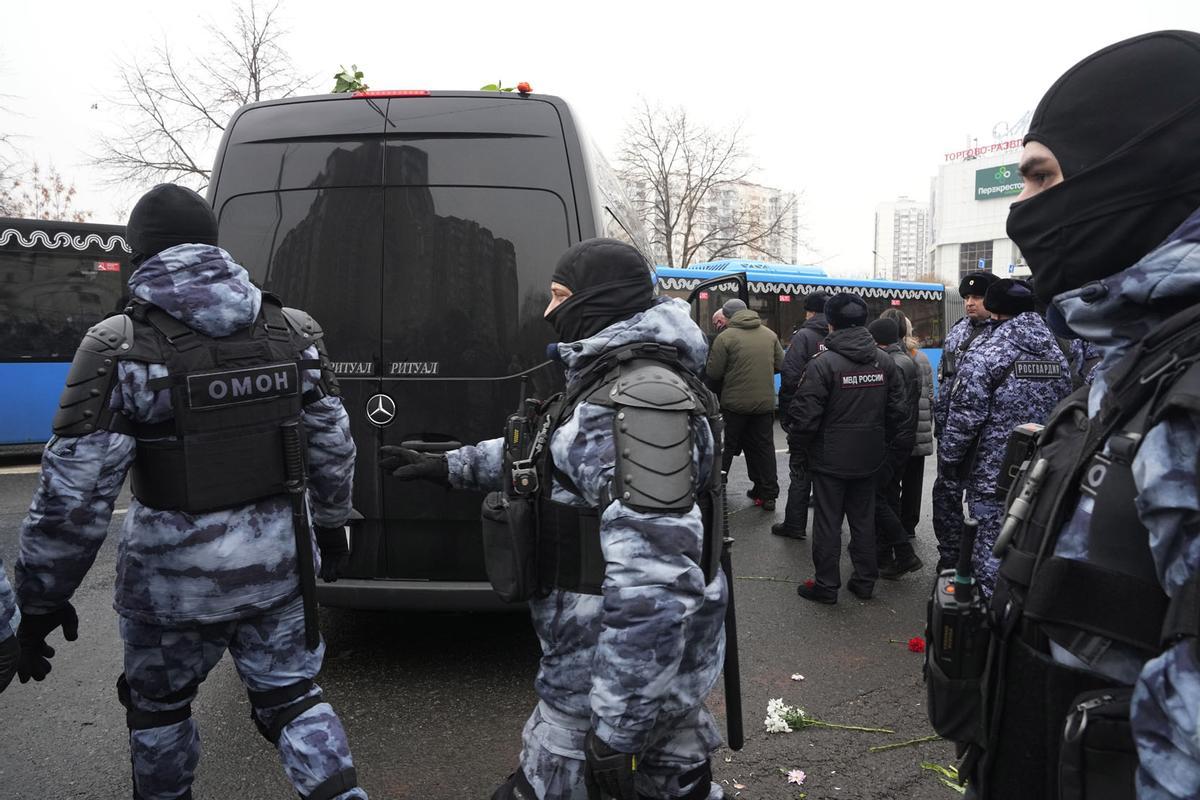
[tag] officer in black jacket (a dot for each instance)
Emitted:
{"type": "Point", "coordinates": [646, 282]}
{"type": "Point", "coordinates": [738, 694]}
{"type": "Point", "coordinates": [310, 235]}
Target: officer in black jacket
{"type": "Point", "coordinates": [895, 551]}
{"type": "Point", "coordinates": [849, 410]}
{"type": "Point", "coordinates": [807, 341]}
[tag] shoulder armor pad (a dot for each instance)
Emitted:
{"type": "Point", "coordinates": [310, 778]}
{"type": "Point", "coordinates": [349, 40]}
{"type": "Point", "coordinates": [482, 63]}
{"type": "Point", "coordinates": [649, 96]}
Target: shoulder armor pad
{"type": "Point", "coordinates": [83, 406]}
{"type": "Point", "coordinates": [303, 325]}
{"type": "Point", "coordinates": [649, 384]}
{"type": "Point", "coordinates": [653, 432]}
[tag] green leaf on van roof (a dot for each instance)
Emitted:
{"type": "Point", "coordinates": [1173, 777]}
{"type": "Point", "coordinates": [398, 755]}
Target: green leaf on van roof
{"type": "Point", "coordinates": [491, 87]}
{"type": "Point", "coordinates": [349, 80]}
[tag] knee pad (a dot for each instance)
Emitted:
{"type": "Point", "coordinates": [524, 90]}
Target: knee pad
{"type": "Point", "coordinates": [337, 783]}
{"type": "Point", "coordinates": [138, 720]}
{"type": "Point", "coordinates": [292, 698]}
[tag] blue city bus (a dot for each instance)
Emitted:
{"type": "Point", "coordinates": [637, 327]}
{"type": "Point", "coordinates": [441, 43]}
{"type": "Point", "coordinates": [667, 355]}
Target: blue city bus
{"type": "Point", "coordinates": [777, 292]}
{"type": "Point", "coordinates": [57, 279]}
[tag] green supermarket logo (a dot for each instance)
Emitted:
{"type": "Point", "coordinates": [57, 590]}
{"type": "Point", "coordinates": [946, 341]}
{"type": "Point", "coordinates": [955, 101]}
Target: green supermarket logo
{"type": "Point", "coordinates": [999, 181]}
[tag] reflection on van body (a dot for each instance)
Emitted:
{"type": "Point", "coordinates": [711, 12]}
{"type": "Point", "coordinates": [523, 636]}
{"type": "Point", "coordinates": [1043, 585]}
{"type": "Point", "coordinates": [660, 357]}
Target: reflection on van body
{"type": "Point", "coordinates": [421, 233]}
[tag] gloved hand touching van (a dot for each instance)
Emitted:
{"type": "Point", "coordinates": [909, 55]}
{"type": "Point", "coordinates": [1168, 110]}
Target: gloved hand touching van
{"type": "Point", "coordinates": [410, 465]}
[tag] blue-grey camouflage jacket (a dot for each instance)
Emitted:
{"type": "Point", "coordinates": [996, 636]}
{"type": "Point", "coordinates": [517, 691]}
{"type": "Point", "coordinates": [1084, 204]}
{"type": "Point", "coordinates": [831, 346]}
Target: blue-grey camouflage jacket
{"type": "Point", "coordinates": [10, 617]}
{"type": "Point", "coordinates": [651, 647]}
{"type": "Point", "coordinates": [956, 346]}
{"type": "Point", "coordinates": [1166, 700]}
{"type": "Point", "coordinates": [1017, 375]}
{"type": "Point", "coordinates": [174, 567]}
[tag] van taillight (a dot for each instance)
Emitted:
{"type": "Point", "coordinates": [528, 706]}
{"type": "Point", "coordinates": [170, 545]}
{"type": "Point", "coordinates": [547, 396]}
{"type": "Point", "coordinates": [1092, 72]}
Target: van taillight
{"type": "Point", "coordinates": [394, 93]}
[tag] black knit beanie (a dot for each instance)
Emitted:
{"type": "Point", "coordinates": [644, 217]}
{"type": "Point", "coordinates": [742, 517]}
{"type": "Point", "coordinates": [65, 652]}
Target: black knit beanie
{"type": "Point", "coordinates": [166, 216]}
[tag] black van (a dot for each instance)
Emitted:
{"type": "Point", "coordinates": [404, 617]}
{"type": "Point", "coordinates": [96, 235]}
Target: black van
{"type": "Point", "coordinates": [420, 229]}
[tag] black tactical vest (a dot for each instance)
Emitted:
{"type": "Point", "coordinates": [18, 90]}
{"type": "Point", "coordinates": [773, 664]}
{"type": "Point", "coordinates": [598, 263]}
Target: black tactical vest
{"type": "Point", "coordinates": [230, 396]}
{"type": "Point", "coordinates": [1036, 709]}
{"type": "Point", "coordinates": [565, 539]}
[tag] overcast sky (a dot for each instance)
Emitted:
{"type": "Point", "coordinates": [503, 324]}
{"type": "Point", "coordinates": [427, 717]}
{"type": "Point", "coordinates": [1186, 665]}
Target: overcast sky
{"type": "Point", "coordinates": [849, 103]}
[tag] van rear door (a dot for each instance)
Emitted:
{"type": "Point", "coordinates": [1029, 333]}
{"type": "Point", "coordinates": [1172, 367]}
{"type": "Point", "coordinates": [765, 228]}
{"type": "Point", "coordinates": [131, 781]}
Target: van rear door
{"type": "Point", "coordinates": [303, 213]}
{"type": "Point", "coordinates": [477, 207]}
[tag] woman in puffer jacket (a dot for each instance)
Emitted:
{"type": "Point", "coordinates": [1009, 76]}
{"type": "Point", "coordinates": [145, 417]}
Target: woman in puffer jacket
{"type": "Point", "coordinates": [913, 478]}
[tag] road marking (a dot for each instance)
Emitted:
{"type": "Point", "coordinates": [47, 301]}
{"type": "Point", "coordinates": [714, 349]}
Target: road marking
{"type": "Point", "coordinates": [32, 470]}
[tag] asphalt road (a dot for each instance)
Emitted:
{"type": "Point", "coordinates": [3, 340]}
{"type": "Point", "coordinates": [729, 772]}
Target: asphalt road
{"type": "Point", "coordinates": [434, 703]}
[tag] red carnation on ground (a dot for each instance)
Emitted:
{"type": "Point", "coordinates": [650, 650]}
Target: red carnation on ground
{"type": "Point", "coordinates": [810, 583]}
{"type": "Point", "coordinates": [524, 88]}
{"type": "Point", "coordinates": [916, 644]}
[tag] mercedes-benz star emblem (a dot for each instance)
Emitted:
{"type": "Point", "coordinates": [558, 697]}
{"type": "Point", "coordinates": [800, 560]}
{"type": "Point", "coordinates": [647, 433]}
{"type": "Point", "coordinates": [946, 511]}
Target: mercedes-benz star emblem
{"type": "Point", "coordinates": [381, 410]}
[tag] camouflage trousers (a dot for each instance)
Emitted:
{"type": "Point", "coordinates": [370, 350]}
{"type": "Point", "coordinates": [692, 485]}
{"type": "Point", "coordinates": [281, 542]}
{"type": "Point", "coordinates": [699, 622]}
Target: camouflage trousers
{"type": "Point", "coordinates": [552, 759]}
{"type": "Point", "coordinates": [947, 516]}
{"type": "Point", "coordinates": [988, 511]}
{"type": "Point", "coordinates": [164, 667]}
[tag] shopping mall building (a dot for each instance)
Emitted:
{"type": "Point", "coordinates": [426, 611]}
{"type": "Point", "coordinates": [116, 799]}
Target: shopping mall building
{"type": "Point", "coordinates": [969, 202]}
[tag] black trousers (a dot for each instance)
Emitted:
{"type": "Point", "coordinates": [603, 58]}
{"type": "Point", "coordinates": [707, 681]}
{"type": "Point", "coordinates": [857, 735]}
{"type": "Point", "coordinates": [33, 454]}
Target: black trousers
{"type": "Point", "coordinates": [912, 481]}
{"type": "Point", "coordinates": [753, 434]}
{"type": "Point", "coordinates": [853, 499]}
{"type": "Point", "coordinates": [890, 534]}
{"type": "Point", "coordinates": [795, 516]}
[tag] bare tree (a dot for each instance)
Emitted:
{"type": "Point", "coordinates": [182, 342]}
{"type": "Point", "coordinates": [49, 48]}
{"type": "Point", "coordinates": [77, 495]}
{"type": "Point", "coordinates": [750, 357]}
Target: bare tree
{"type": "Point", "coordinates": [174, 110]}
{"type": "Point", "coordinates": [41, 196]}
{"type": "Point", "coordinates": [682, 177]}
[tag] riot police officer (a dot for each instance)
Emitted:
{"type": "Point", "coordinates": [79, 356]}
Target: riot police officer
{"type": "Point", "coordinates": [627, 603]}
{"type": "Point", "coordinates": [973, 328]}
{"type": "Point", "coordinates": [1017, 375]}
{"type": "Point", "coordinates": [1096, 679]}
{"type": "Point", "coordinates": [806, 343]}
{"type": "Point", "coordinates": [850, 411]}
{"type": "Point", "coordinates": [10, 619]}
{"type": "Point", "coordinates": [204, 388]}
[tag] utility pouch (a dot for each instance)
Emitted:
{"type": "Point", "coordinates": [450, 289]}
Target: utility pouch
{"type": "Point", "coordinates": [1098, 760]}
{"type": "Point", "coordinates": [1022, 443]}
{"type": "Point", "coordinates": [955, 705]}
{"type": "Point", "coordinates": [958, 638]}
{"type": "Point", "coordinates": [510, 545]}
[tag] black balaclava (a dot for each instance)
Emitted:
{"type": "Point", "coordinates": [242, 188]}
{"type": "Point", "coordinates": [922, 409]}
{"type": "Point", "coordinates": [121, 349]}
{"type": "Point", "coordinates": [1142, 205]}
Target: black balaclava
{"type": "Point", "coordinates": [166, 216]}
{"type": "Point", "coordinates": [1124, 124]}
{"type": "Point", "coordinates": [609, 281]}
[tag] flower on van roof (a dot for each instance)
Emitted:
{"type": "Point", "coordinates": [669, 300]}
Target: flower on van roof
{"type": "Point", "coordinates": [524, 88]}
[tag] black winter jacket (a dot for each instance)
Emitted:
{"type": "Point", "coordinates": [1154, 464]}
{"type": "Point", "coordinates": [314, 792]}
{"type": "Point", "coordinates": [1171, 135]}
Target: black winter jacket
{"type": "Point", "coordinates": [910, 377]}
{"type": "Point", "coordinates": [806, 343]}
{"type": "Point", "coordinates": [850, 407]}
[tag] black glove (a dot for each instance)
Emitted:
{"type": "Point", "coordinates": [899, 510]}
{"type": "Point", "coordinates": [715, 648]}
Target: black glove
{"type": "Point", "coordinates": [10, 652]}
{"type": "Point", "coordinates": [608, 773]}
{"type": "Point", "coordinates": [34, 660]}
{"type": "Point", "coordinates": [409, 465]}
{"type": "Point", "coordinates": [335, 552]}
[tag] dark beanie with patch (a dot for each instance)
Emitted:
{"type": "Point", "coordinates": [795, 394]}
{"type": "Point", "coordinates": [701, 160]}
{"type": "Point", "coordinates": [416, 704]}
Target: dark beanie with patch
{"type": "Point", "coordinates": [845, 310]}
{"type": "Point", "coordinates": [816, 301]}
{"type": "Point", "coordinates": [1009, 297]}
{"type": "Point", "coordinates": [166, 216]}
{"type": "Point", "coordinates": [885, 331]}
{"type": "Point", "coordinates": [609, 281]}
{"type": "Point", "coordinates": [976, 283]}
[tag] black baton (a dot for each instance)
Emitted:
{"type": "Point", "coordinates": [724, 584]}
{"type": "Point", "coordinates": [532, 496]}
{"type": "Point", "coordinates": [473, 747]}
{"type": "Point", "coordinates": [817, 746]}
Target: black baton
{"type": "Point", "coordinates": [293, 460]}
{"type": "Point", "coordinates": [733, 675]}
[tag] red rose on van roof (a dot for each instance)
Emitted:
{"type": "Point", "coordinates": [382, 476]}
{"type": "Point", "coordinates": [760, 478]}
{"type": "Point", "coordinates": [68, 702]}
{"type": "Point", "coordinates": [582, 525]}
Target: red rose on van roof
{"type": "Point", "coordinates": [524, 88]}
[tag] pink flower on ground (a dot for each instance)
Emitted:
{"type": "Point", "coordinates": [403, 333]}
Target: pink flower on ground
{"type": "Point", "coordinates": [796, 776]}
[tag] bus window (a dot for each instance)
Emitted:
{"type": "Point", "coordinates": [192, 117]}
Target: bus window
{"type": "Point", "coordinates": [48, 302]}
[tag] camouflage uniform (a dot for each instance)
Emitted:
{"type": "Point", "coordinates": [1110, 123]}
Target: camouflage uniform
{"type": "Point", "coordinates": [947, 495]}
{"type": "Point", "coordinates": [1085, 357]}
{"type": "Point", "coordinates": [189, 585]}
{"type": "Point", "coordinates": [10, 617]}
{"type": "Point", "coordinates": [1166, 700]}
{"type": "Point", "coordinates": [635, 663]}
{"type": "Point", "coordinates": [991, 396]}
